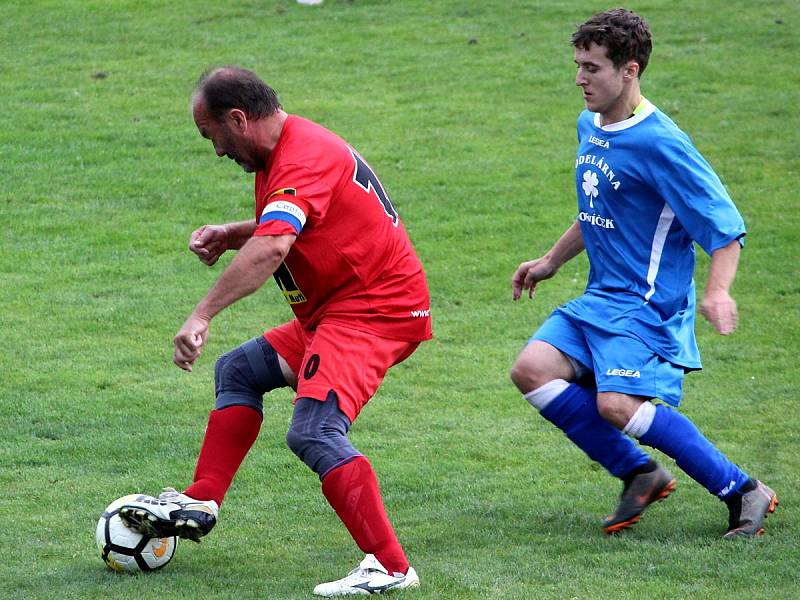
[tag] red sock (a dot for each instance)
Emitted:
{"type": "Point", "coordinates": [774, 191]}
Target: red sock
{"type": "Point", "coordinates": [352, 490]}
{"type": "Point", "coordinates": [229, 436]}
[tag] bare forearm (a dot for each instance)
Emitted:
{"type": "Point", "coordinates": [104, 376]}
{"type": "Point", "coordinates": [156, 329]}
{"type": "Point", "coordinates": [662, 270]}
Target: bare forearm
{"type": "Point", "coordinates": [255, 262]}
{"type": "Point", "coordinates": [568, 246]}
{"type": "Point", "coordinates": [717, 305]}
{"type": "Point", "coordinates": [531, 272]}
{"type": "Point", "coordinates": [722, 270]}
{"type": "Point", "coordinates": [238, 233]}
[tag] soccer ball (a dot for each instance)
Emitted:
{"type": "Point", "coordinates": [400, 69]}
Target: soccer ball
{"type": "Point", "coordinates": [123, 549]}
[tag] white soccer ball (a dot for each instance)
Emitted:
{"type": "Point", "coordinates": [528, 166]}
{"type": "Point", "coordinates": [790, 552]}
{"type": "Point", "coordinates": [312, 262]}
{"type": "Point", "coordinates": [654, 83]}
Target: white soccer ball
{"type": "Point", "coordinates": [123, 549]}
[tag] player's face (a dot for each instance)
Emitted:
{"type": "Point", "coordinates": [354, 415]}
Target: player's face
{"type": "Point", "coordinates": [602, 83]}
{"type": "Point", "coordinates": [228, 137]}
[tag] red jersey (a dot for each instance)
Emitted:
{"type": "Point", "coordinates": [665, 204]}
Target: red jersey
{"type": "Point", "coordinates": [352, 261]}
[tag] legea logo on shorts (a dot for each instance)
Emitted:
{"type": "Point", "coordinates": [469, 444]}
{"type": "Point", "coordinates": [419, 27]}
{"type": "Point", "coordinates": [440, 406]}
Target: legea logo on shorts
{"type": "Point", "coordinates": [623, 373]}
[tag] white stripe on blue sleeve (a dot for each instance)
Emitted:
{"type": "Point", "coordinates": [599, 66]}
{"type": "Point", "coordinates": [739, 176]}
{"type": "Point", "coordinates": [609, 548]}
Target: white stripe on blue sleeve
{"type": "Point", "coordinates": [664, 223]}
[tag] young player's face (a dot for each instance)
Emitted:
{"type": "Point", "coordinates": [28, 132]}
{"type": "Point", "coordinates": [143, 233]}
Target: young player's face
{"type": "Point", "coordinates": [228, 139]}
{"type": "Point", "coordinates": [602, 83]}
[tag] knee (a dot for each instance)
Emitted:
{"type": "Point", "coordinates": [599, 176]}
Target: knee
{"type": "Point", "coordinates": [318, 434]}
{"type": "Point", "coordinates": [615, 408]}
{"type": "Point", "coordinates": [526, 375]}
{"type": "Point", "coordinates": [220, 368]}
{"type": "Point", "coordinates": [320, 449]}
{"type": "Point", "coordinates": [233, 385]}
{"type": "Point", "coordinates": [605, 405]}
{"type": "Point", "coordinates": [245, 374]}
{"type": "Point", "coordinates": [300, 442]}
{"type": "Point", "coordinates": [309, 435]}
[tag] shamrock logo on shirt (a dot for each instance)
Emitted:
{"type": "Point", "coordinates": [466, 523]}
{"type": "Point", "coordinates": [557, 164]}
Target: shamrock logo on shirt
{"type": "Point", "coordinates": [590, 182]}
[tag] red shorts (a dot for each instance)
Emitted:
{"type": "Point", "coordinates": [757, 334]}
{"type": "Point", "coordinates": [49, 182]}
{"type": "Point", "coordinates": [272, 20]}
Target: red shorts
{"type": "Point", "coordinates": [335, 358]}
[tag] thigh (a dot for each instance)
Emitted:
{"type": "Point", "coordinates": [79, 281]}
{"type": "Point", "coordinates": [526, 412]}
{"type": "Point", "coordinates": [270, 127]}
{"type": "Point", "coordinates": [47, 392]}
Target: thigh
{"type": "Point", "coordinates": [290, 342]}
{"type": "Point", "coordinates": [626, 365]}
{"type": "Point", "coordinates": [538, 363]}
{"type": "Point", "coordinates": [562, 333]}
{"type": "Point", "coordinates": [349, 363]}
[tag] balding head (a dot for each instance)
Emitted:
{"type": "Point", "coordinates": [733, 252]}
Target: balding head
{"type": "Point", "coordinates": [224, 88]}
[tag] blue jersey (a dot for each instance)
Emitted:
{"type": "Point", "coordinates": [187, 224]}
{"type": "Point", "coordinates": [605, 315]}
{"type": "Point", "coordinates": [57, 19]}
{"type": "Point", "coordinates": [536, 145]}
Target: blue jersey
{"type": "Point", "coordinates": [644, 195]}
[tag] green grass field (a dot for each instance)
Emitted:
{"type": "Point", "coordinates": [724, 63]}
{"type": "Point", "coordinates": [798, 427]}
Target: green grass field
{"type": "Point", "coordinates": [466, 110]}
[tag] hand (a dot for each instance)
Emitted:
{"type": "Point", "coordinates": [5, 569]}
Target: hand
{"type": "Point", "coordinates": [528, 274]}
{"type": "Point", "coordinates": [209, 243]}
{"type": "Point", "coordinates": [720, 310]}
{"type": "Point", "coordinates": [189, 341]}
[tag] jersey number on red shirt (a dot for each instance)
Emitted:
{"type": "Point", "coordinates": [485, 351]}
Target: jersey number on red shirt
{"type": "Point", "coordinates": [288, 286]}
{"type": "Point", "coordinates": [366, 179]}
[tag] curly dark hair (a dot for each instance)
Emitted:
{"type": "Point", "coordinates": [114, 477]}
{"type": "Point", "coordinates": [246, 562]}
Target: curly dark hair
{"type": "Point", "coordinates": [224, 88]}
{"type": "Point", "coordinates": [625, 35]}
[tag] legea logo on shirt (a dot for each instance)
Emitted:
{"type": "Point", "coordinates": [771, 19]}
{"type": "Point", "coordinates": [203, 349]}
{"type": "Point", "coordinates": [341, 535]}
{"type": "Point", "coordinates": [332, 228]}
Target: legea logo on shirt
{"type": "Point", "coordinates": [599, 142]}
{"type": "Point", "coordinates": [623, 372]}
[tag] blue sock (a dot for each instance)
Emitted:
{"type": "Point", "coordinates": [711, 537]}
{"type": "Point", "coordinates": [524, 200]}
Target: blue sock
{"type": "Point", "coordinates": [677, 437]}
{"type": "Point", "coordinates": [574, 412]}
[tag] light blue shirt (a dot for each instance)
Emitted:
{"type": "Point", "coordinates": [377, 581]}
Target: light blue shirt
{"type": "Point", "coordinates": [644, 195]}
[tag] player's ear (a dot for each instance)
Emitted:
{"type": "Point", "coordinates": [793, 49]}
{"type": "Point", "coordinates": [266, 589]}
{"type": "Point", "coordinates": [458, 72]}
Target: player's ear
{"type": "Point", "coordinates": [237, 118]}
{"type": "Point", "coordinates": [630, 70]}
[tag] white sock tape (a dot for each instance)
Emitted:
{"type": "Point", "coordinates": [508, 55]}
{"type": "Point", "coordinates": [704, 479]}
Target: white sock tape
{"type": "Point", "coordinates": [543, 395]}
{"type": "Point", "coordinates": [641, 420]}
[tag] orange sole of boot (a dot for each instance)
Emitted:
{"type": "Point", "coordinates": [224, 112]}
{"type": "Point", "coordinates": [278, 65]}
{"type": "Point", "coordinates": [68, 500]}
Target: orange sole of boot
{"type": "Point", "coordinates": [770, 509]}
{"type": "Point", "coordinates": [617, 527]}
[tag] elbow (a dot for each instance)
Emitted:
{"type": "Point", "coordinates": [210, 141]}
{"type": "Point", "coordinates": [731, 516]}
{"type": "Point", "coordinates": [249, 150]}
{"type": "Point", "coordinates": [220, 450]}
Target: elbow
{"type": "Point", "coordinates": [270, 252]}
{"type": "Point", "coordinates": [275, 256]}
{"type": "Point", "coordinates": [268, 262]}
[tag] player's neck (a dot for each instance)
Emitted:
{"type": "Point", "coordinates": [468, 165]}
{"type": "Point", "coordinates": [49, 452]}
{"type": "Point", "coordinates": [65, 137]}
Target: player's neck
{"type": "Point", "coordinates": [624, 107]}
{"type": "Point", "coordinates": [269, 131]}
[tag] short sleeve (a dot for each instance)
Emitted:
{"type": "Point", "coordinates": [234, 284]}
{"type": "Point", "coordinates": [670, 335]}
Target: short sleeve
{"type": "Point", "coordinates": [696, 195]}
{"type": "Point", "coordinates": [295, 198]}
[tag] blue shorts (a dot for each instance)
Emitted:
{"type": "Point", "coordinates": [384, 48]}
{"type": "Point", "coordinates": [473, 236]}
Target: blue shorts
{"type": "Point", "coordinates": [621, 363]}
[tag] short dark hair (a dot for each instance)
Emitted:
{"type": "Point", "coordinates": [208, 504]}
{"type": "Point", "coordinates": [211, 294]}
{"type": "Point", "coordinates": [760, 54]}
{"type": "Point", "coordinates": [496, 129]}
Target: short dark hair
{"type": "Point", "coordinates": [624, 34]}
{"type": "Point", "coordinates": [224, 88]}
